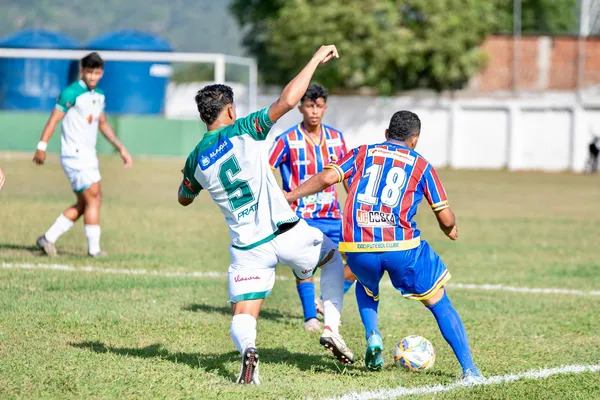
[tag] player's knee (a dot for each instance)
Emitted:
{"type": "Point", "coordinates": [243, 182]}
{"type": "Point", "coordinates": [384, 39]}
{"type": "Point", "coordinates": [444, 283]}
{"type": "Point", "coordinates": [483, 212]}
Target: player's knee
{"type": "Point", "coordinates": [437, 296]}
{"type": "Point", "coordinates": [331, 257]}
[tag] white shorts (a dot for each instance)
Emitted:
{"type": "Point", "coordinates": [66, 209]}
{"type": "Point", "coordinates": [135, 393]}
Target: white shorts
{"type": "Point", "coordinates": [80, 176]}
{"type": "Point", "coordinates": [251, 274]}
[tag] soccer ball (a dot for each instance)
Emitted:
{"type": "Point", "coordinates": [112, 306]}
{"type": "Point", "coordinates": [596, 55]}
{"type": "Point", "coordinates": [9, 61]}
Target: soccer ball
{"type": "Point", "coordinates": [414, 353]}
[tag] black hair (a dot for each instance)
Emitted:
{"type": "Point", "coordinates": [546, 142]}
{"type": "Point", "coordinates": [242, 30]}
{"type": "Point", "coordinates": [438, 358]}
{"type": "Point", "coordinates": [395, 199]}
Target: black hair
{"type": "Point", "coordinates": [211, 100]}
{"type": "Point", "coordinates": [92, 60]}
{"type": "Point", "coordinates": [315, 92]}
{"type": "Point", "coordinates": [404, 125]}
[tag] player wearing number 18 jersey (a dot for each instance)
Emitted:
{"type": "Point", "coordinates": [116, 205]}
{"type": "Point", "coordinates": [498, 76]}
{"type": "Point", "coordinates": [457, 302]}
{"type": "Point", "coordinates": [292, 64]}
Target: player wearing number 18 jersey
{"type": "Point", "coordinates": [387, 182]}
{"type": "Point", "coordinates": [231, 165]}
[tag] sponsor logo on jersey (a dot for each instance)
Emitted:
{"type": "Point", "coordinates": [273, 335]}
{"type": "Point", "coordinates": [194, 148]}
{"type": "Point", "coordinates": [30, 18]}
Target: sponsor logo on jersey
{"type": "Point", "coordinates": [296, 144]}
{"type": "Point", "coordinates": [188, 184]}
{"type": "Point", "coordinates": [379, 245]}
{"type": "Point", "coordinates": [333, 142]}
{"type": "Point", "coordinates": [218, 150]}
{"type": "Point", "coordinates": [319, 198]}
{"type": "Point", "coordinates": [248, 211]}
{"type": "Point", "coordinates": [375, 219]}
{"type": "Point", "coordinates": [90, 118]}
{"type": "Point", "coordinates": [333, 158]}
{"type": "Point", "coordinates": [246, 278]}
{"type": "Point", "coordinates": [379, 152]}
{"type": "Point", "coordinates": [302, 162]}
{"type": "Point", "coordinates": [204, 161]}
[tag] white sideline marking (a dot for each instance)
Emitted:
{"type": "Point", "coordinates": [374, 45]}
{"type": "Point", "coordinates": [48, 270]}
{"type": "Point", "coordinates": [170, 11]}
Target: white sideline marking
{"type": "Point", "coordinates": [213, 274]}
{"type": "Point", "coordinates": [525, 289]}
{"type": "Point", "coordinates": [493, 380]}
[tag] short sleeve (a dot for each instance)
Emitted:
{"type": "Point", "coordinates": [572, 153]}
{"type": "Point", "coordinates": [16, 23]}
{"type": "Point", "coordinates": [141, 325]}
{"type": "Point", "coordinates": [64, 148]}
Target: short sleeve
{"type": "Point", "coordinates": [343, 147]}
{"type": "Point", "coordinates": [190, 187]}
{"type": "Point", "coordinates": [433, 190]}
{"type": "Point", "coordinates": [257, 125]}
{"type": "Point", "coordinates": [66, 100]}
{"type": "Point", "coordinates": [345, 166]}
{"type": "Point", "coordinates": [279, 152]}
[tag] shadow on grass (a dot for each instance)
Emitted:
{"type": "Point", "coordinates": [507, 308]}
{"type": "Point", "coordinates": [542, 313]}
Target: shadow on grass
{"type": "Point", "coordinates": [33, 249]}
{"type": "Point", "coordinates": [29, 248]}
{"type": "Point", "coordinates": [217, 362]}
{"type": "Point", "coordinates": [225, 310]}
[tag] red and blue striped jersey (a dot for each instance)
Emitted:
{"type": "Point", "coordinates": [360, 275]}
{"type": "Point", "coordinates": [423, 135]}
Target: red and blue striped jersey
{"type": "Point", "coordinates": [298, 157]}
{"type": "Point", "coordinates": [387, 181]}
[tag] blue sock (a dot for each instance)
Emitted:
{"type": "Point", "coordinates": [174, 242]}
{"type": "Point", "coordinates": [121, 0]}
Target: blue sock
{"type": "Point", "coordinates": [367, 307]}
{"type": "Point", "coordinates": [306, 291]}
{"type": "Point", "coordinates": [453, 331]}
{"type": "Point", "coordinates": [347, 286]}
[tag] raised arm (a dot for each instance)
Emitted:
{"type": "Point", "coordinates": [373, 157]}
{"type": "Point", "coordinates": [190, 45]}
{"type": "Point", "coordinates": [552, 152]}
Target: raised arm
{"type": "Point", "coordinates": [40, 154]}
{"type": "Point", "coordinates": [316, 184]}
{"type": "Point", "coordinates": [109, 134]}
{"type": "Point", "coordinates": [294, 90]}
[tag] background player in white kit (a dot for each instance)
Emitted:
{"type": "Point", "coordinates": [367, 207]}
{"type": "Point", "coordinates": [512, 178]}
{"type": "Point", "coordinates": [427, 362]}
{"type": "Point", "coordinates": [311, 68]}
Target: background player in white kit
{"type": "Point", "coordinates": [80, 107]}
{"type": "Point", "coordinates": [231, 163]}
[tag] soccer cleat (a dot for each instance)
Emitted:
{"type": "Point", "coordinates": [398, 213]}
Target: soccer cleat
{"type": "Point", "coordinates": [249, 367]}
{"type": "Point", "coordinates": [473, 377]}
{"type": "Point", "coordinates": [312, 325]}
{"type": "Point", "coordinates": [44, 244]}
{"type": "Point", "coordinates": [319, 305]}
{"type": "Point", "coordinates": [100, 254]}
{"type": "Point", "coordinates": [373, 356]}
{"type": "Point", "coordinates": [333, 341]}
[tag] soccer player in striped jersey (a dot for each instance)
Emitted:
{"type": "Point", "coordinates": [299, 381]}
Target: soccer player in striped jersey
{"type": "Point", "coordinates": [387, 182]}
{"type": "Point", "coordinates": [301, 152]}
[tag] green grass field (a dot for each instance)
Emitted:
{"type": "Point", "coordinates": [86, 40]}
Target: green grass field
{"type": "Point", "coordinates": [70, 334]}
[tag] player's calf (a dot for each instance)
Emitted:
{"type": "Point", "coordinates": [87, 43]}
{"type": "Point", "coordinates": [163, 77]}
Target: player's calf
{"type": "Point", "coordinates": [453, 331]}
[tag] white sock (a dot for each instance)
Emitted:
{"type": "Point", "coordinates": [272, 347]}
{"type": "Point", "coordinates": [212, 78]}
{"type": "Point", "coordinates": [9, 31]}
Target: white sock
{"type": "Point", "coordinates": [332, 291]}
{"type": "Point", "coordinates": [92, 233]}
{"type": "Point", "coordinates": [243, 331]}
{"type": "Point", "coordinates": [60, 226]}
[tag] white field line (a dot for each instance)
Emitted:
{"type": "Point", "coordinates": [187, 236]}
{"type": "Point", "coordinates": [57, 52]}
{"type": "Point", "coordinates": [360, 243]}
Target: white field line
{"type": "Point", "coordinates": [493, 380]}
{"type": "Point", "coordinates": [214, 274]}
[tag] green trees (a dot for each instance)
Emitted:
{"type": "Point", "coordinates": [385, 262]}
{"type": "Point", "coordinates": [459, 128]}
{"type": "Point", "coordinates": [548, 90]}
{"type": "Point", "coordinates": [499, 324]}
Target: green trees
{"type": "Point", "coordinates": [388, 44]}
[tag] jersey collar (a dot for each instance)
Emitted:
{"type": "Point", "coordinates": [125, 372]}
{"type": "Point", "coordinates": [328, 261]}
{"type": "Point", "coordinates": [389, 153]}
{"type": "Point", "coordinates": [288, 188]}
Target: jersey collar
{"type": "Point", "coordinates": [397, 142]}
{"type": "Point", "coordinates": [83, 85]}
{"type": "Point", "coordinates": [210, 133]}
{"type": "Point", "coordinates": [309, 137]}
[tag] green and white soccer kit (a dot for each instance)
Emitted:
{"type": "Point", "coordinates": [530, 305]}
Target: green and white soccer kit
{"type": "Point", "coordinates": [83, 108]}
{"type": "Point", "coordinates": [231, 163]}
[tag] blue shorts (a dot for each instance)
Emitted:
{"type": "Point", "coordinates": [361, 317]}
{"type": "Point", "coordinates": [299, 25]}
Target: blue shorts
{"type": "Point", "coordinates": [332, 228]}
{"type": "Point", "coordinates": [418, 273]}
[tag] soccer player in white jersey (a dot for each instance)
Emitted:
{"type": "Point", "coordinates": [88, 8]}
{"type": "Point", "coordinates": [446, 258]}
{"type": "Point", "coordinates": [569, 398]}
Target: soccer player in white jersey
{"type": "Point", "coordinates": [80, 107]}
{"type": "Point", "coordinates": [231, 164]}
